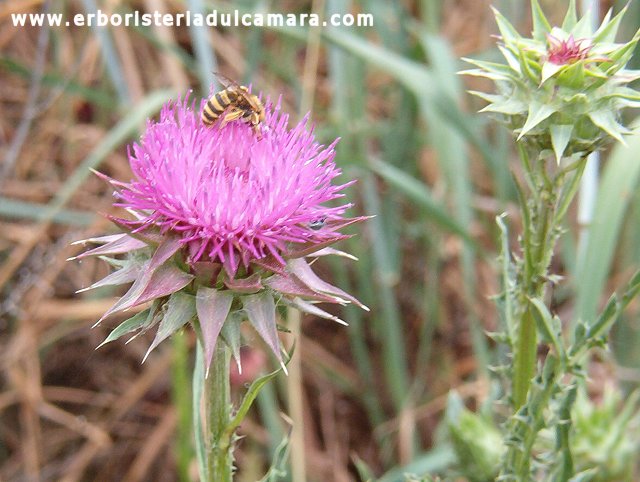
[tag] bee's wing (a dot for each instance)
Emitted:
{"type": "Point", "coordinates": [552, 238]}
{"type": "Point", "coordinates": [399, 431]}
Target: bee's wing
{"type": "Point", "coordinates": [226, 82]}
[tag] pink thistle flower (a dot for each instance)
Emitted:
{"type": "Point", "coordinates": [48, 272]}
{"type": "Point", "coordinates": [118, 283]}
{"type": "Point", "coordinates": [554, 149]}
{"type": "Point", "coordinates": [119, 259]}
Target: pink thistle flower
{"type": "Point", "coordinates": [222, 222]}
{"type": "Point", "coordinates": [565, 52]}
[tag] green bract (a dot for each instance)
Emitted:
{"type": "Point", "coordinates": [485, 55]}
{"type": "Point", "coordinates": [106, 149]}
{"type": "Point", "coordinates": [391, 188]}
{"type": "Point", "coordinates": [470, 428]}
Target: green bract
{"type": "Point", "coordinates": [563, 89]}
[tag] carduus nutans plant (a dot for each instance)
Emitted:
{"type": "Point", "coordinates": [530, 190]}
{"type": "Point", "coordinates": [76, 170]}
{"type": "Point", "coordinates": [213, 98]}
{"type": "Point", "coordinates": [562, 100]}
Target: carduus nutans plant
{"type": "Point", "coordinates": [562, 90]}
{"type": "Point", "coordinates": [223, 225]}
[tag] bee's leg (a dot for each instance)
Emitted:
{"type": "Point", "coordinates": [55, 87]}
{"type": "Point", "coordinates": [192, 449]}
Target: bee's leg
{"type": "Point", "coordinates": [254, 121]}
{"type": "Point", "coordinates": [234, 114]}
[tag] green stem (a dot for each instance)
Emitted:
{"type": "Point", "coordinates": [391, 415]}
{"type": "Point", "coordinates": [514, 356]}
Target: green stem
{"type": "Point", "coordinates": [218, 416]}
{"type": "Point", "coordinates": [181, 393]}
{"type": "Point", "coordinates": [524, 359]}
{"type": "Point", "coordinates": [542, 213]}
{"type": "Point", "coordinates": [538, 246]}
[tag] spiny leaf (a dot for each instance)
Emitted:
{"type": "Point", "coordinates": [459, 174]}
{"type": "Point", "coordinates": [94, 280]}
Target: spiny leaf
{"type": "Point", "coordinates": [507, 31]}
{"type": "Point", "coordinates": [213, 308]}
{"type": "Point", "coordinates": [546, 325]}
{"type": "Point", "coordinates": [538, 112]}
{"type": "Point", "coordinates": [507, 107]}
{"type": "Point", "coordinates": [132, 324]}
{"type": "Point", "coordinates": [181, 308]}
{"type": "Point", "coordinates": [156, 278]}
{"type": "Point", "coordinates": [292, 286]}
{"type": "Point", "coordinates": [312, 309]}
{"type": "Point", "coordinates": [115, 245]}
{"type": "Point", "coordinates": [606, 120]}
{"type": "Point", "coordinates": [261, 310]}
{"type": "Point", "coordinates": [165, 280]}
{"type": "Point", "coordinates": [572, 75]}
{"type": "Point", "coordinates": [511, 59]}
{"type": "Point", "coordinates": [125, 275]}
{"type": "Point", "coordinates": [301, 269]}
{"type": "Point", "coordinates": [549, 69]}
{"type": "Point", "coordinates": [571, 18]}
{"type": "Point", "coordinates": [232, 337]}
{"type": "Point", "coordinates": [584, 29]}
{"type": "Point", "coordinates": [541, 26]}
{"type": "Point", "coordinates": [252, 284]}
{"type": "Point", "coordinates": [560, 137]}
{"type": "Point", "coordinates": [252, 393]}
{"type": "Point", "coordinates": [609, 29]}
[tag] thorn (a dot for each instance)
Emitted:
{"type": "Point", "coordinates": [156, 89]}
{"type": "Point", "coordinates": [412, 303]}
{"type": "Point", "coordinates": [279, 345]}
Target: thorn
{"type": "Point", "coordinates": [97, 323]}
{"type": "Point", "coordinates": [147, 354]}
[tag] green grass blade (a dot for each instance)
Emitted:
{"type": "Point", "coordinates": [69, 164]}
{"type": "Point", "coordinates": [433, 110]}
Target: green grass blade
{"type": "Point", "coordinates": [431, 462]}
{"type": "Point", "coordinates": [420, 194]}
{"type": "Point", "coordinates": [14, 209]}
{"type": "Point", "coordinates": [619, 180]}
{"type": "Point", "coordinates": [110, 55]}
{"type": "Point", "coordinates": [204, 54]}
{"type": "Point", "coordinates": [114, 138]}
{"type": "Point", "coordinates": [198, 433]}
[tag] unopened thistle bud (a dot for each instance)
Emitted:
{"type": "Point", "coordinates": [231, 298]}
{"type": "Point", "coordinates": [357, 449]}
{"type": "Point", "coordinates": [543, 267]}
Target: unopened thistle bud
{"type": "Point", "coordinates": [562, 90]}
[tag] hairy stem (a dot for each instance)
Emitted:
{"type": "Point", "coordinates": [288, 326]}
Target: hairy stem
{"type": "Point", "coordinates": [543, 214]}
{"type": "Point", "coordinates": [218, 415]}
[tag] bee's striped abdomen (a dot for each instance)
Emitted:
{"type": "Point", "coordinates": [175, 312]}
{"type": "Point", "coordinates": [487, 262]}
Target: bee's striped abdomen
{"type": "Point", "coordinates": [217, 104]}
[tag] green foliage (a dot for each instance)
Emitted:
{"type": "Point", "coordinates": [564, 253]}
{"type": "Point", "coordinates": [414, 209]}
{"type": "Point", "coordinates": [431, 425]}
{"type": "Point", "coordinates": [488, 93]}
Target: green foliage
{"type": "Point", "coordinates": [476, 441]}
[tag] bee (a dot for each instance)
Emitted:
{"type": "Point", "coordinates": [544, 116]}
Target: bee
{"type": "Point", "coordinates": [238, 103]}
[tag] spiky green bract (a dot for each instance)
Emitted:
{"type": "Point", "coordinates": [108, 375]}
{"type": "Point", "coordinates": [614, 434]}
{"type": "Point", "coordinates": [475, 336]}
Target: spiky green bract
{"type": "Point", "coordinates": [562, 90]}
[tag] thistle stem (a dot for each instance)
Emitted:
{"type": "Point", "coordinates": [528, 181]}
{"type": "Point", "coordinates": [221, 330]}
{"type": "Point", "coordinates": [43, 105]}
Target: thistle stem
{"type": "Point", "coordinates": [538, 246]}
{"type": "Point", "coordinates": [542, 215]}
{"type": "Point", "coordinates": [218, 415]}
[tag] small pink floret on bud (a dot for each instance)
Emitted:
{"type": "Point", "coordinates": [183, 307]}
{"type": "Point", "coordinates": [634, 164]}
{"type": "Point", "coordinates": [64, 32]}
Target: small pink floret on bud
{"type": "Point", "coordinates": [565, 52]}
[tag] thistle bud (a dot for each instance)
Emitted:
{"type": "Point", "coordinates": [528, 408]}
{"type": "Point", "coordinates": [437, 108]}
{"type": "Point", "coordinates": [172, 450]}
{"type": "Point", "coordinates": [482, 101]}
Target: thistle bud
{"type": "Point", "coordinates": [563, 89]}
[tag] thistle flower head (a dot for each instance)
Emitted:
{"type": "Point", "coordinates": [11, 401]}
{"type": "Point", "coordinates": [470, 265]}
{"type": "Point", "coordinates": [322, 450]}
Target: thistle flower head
{"type": "Point", "coordinates": [230, 196]}
{"type": "Point", "coordinates": [564, 52]}
{"type": "Point", "coordinates": [562, 90]}
{"type": "Point", "coordinates": [221, 223]}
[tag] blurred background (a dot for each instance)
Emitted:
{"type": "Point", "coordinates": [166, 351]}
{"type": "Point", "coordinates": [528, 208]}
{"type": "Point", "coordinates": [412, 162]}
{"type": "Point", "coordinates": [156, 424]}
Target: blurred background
{"type": "Point", "coordinates": [370, 398]}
